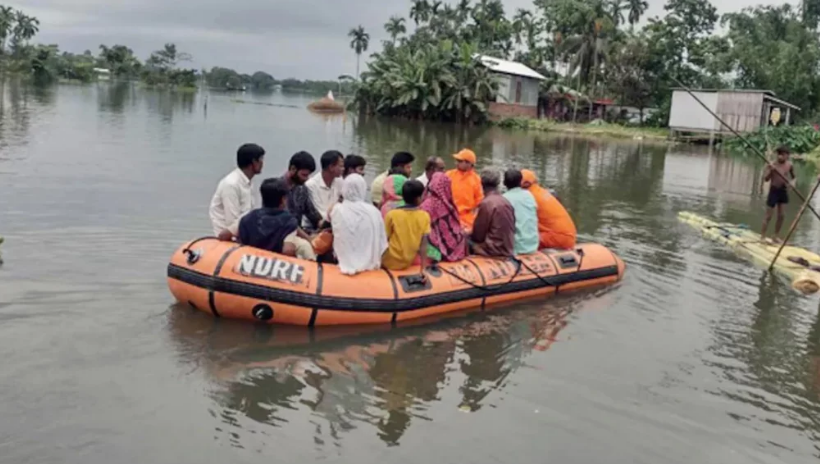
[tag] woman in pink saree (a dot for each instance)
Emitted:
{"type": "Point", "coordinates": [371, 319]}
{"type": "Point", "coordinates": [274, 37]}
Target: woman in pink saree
{"type": "Point", "coordinates": [447, 239]}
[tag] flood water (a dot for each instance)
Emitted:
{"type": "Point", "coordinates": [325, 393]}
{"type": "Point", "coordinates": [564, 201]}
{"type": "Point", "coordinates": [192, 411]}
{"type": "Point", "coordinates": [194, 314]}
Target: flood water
{"type": "Point", "coordinates": [695, 357]}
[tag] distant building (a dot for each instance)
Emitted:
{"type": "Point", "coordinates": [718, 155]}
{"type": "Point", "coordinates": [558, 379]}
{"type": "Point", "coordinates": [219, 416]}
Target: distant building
{"type": "Point", "coordinates": [102, 74]}
{"type": "Point", "coordinates": [742, 110]}
{"type": "Point", "coordinates": [518, 88]}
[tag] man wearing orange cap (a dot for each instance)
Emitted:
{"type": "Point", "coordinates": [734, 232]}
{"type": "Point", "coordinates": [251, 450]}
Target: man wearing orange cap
{"type": "Point", "coordinates": [467, 191]}
{"type": "Point", "coordinates": [555, 226]}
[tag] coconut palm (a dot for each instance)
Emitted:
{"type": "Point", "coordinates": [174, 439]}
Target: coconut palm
{"type": "Point", "coordinates": [616, 11]}
{"type": "Point", "coordinates": [636, 9]}
{"type": "Point", "coordinates": [588, 51]}
{"type": "Point", "coordinates": [420, 11]}
{"type": "Point", "coordinates": [522, 22]}
{"type": "Point", "coordinates": [6, 25]}
{"type": "Point", "coordinates": [359, 42]}
{"type": "Point", "coordinates": [463, 9]}
{"type": "Point", "coordinates": [26, 27]}
{"type": "Point", "coordinates": [395, 27]}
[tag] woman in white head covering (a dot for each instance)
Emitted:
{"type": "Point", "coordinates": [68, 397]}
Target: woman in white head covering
{"type": "Point", "coordinates": [359, 238]}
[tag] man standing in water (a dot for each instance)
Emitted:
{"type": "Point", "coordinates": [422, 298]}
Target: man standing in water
{"type": "Point", "coordinates": [233, 198]}
{"type": "Point", "coordinates": [780, 173]}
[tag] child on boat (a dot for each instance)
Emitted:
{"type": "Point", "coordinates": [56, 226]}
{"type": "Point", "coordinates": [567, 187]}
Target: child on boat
{"type": "Point", "coordinates": [272, 227]}
{"type": "Point", "coordinates": [407, 229]}
{"type": "Point", "coordinates": [781, 174]}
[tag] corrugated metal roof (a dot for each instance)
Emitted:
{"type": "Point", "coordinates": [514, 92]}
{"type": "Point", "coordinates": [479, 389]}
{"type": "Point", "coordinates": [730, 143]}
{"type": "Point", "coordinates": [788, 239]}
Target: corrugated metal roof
{"type": "Point", "coordinates": [509, 67]}
{"type": "Point", "coordinates": [767, 94]}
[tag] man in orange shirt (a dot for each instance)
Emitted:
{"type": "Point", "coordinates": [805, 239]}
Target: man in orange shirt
{"type": "Point", "coordinates": [555, 227]}
{"type": "Point", "coordinates": [467, 191]}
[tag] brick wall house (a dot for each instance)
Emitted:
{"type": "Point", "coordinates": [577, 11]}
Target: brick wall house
{"type": "Point", "coordinates": [518, 88]}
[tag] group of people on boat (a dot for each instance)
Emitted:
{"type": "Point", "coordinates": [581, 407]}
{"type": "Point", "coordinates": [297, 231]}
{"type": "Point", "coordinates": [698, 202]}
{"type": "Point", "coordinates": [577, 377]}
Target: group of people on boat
{"type": "Point", "coordinates": [439, 216]}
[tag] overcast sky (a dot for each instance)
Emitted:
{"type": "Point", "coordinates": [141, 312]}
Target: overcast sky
{"type": "Point", "coordinates": [305, 39]}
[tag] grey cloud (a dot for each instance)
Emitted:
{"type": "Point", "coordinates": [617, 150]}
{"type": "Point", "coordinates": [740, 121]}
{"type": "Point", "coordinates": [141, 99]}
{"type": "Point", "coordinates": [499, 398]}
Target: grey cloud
{"type": "Point", "coordinates": [288, 38]}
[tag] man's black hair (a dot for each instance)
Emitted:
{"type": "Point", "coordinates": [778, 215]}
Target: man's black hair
{"type": "Point", "coordinates": [354, 161]}
{"type": "Point", "coordinates": [412, 191]}
{"type": "Point", "coordinates": [783, 150]}
{"type": "Point", "coordinates": [302, 161]}
{"type": "Point", "coordinates": [273, 191]}
{"type": "Point", "coordinates": [247, 154]}
{"type": "Point", "coordinates": [512, 179]}
{"type": "Point", "coordinates": [329, 158]}
{"type": "Point", "coordinates": [402, 158]}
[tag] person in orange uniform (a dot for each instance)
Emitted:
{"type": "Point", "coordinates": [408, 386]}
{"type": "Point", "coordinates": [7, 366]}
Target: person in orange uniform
{"type": "Point", "coordinates": [467, 191]}
{"type": "Point", "coordinates": [555, 227]}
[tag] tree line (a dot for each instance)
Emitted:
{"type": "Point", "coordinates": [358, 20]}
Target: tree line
{"type": "Point", "coordinates": [229, 79]}
{"type": "Point", "coordinates": [600, 48]}
{"type": "Point", "coordinates": [45, 63]}
{"type": "Point", "coordinates": [163, 68]}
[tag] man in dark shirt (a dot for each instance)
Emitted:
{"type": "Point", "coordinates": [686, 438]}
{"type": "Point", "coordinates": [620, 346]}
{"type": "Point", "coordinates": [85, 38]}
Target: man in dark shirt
{"type": "Point", "coordinates": [269, 226]}
{"type": "Point", "coordinates": [494, 227]}
{"type": "Point", "coordinates": [300, 205]}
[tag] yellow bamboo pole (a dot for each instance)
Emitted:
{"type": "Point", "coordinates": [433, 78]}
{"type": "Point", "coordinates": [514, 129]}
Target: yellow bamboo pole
{"type": "Point", "coordinates": [794, 224]}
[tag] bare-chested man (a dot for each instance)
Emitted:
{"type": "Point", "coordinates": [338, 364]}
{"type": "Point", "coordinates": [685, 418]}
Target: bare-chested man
{"type": "Point", "coordinates": [779, 189]}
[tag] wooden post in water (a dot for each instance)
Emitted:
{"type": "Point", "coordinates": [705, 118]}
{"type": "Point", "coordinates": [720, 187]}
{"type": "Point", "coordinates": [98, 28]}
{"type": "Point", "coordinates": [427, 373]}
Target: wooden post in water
{"type": "Point", "coordinates": [794, 224]}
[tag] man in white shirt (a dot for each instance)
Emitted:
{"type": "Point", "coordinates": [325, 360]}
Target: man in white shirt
{"type": "Point", "coordinates": [434, 164]}
{"type": "Point", "coordinates": [233, 198]}
{"type": "Point", "coordinates": [326, 187]}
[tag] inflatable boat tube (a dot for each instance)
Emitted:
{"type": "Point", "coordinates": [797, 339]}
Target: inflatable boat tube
{"type": "Point", "coordinates": [240, 282]}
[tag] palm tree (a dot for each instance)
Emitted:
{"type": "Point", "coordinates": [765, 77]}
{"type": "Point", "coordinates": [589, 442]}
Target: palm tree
{"type": "Point", "coordinates": [6, 25]}
{"type": "Point", "coordinates": [521, 23]}
{"type": "Point", "coordinates": [463, 10]}
{"type": "Point", "coordinates": [420, 11]}
{"type": "Point", "coordinates": [588, 52]}
{"type": "Point", "coordinates": [395, 27]}
{"type": "Point", "coordinates": [27, 26]}
{"type": "Point", "coordinates": [359, 42]}
{"type": "Point", "coordinates": [616, 11]}
{"type": "Point", "coordinates": [636, 9]}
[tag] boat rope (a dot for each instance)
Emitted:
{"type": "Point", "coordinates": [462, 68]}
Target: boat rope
{"type": "Point", "coordinates": [517, 272]}
{"type": "Point", "coordinates": [481, 287]}
{"type": "Point", "coordinates": [193, 255]}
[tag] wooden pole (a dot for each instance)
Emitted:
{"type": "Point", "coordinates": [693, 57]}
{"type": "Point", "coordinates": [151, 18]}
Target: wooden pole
{"type": "Point", "coordinates": [794, 224]}
{"type": "Point", "coordinates": [748, 144]}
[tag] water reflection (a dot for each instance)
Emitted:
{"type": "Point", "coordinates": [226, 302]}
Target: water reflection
{"type": "Point", "coordinates": [379, 138]}
{"type": "Point", "coordinates": [165, 103]}
{"type": "Point", "coordinates": [730, 360]}
{"type": "Point", "coordinates": [762, 353]}
{"type": "Point", "coordinates": [813, 350]}
{"type": "Point", "coordinates": [112, 97]}
{"type": "Point", "coordinates": [379, 378]}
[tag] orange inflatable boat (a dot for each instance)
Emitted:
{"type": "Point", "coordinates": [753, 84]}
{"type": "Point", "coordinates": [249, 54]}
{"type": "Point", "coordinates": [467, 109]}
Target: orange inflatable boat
{"type": "Point", "coordinates": [240, 282]}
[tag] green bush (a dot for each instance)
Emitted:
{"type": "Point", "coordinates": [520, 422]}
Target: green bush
{"type": "Point", "coordinates": [514, 123]}
{"type": "Point", "coordinates": [799, 139]}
